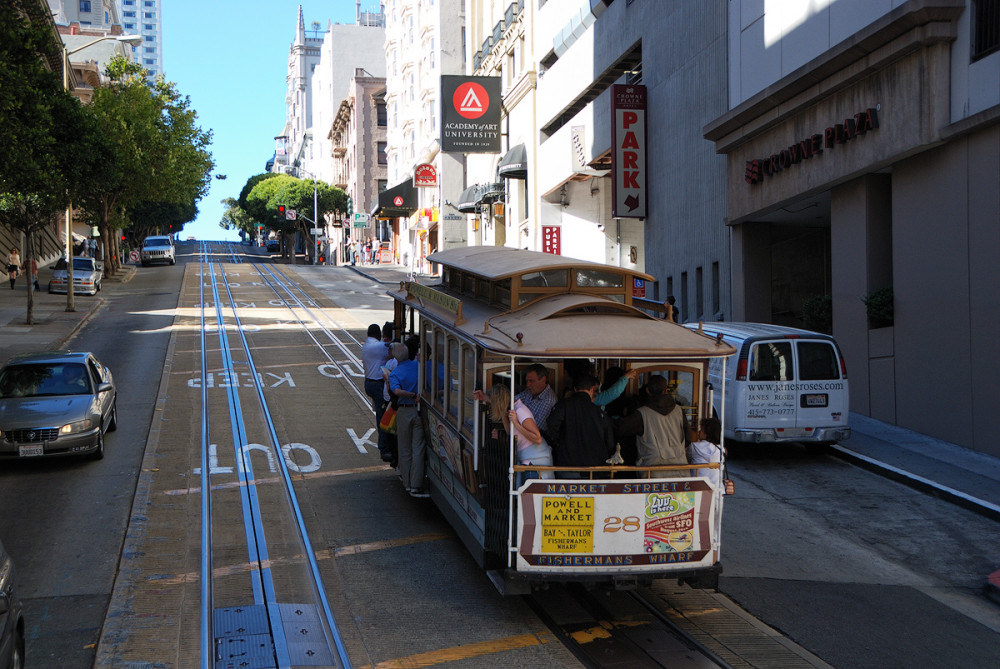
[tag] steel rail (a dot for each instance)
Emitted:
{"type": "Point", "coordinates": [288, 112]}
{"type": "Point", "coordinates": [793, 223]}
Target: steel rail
{"type": "Point", "coordinates": [252, 518]}
{"type": "Point", "coordinates": [207, 595]}
{"type": "Point", "coordinates": [330, 627]}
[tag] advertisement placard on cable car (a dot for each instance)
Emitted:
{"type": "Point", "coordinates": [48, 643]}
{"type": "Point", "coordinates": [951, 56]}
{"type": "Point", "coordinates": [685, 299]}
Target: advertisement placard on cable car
{"type": "Point", "coordinates": [638, 525]}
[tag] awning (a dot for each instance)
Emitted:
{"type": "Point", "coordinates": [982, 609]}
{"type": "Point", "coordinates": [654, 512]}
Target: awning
{"type": "Point", "coordinates": [468, 201]}
{"type": "Point", "coordinates": [514, 164]}
{"type": "Point", "coordinates": [400, 200]}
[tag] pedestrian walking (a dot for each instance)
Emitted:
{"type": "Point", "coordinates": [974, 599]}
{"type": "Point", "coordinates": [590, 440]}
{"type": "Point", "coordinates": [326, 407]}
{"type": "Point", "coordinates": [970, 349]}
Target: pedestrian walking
{"type": "Point", "coordinates": [31, 265]}
{"type": "Point", "coordinates": [13, 266]}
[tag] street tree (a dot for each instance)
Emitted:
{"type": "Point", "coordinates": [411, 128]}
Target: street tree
{"type": "Point", "coordinates": [304, 195]}
{"type": "Point", "coordinates": [46, 140]}
{"type": "Point", "coordinates": [156, 158]}
{"type": "Point", "coordinates": [236, 217]}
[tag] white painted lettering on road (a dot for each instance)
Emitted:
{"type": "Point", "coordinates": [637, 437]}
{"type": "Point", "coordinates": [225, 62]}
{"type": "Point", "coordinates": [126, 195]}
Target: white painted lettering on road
{"type": "Point", "coordinates": [243, 460]}
{"type": "Point", "coordinates": [333, 370]}
{"type": "Point", "coordinates": [242, 380]}
{"type": "Point", "coordinates": [360, 442]}
{"type": "Point", "coordinates": [314, 460]}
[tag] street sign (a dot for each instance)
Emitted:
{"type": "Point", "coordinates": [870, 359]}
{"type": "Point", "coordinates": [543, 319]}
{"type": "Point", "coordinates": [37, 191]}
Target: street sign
{"type": "Point", "coordinates": [289, 214]}
{"type": "Point", "coordinates": [317, 231]}
{"type": "Point", "coordinates": [360, 220]}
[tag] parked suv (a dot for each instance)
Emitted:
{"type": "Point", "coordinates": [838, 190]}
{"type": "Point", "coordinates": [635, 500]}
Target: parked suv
{"type": "Point", "coordinates": [11, 616]}
{"type": "Point", "coordinates": [158, 249]}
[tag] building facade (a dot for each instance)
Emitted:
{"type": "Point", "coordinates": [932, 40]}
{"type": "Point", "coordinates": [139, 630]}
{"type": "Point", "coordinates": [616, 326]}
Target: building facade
{"type": "Point", "coordinates": [862, 143]}
{"type": "Point", "coordinates": [143, 17]}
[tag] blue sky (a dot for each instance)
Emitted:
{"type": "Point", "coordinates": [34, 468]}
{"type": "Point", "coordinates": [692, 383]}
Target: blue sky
{"type": "Point", "coordinates": [231, 58]}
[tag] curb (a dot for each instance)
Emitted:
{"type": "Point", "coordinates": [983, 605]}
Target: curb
{"type": "Point", "coordinates": [966, 501]}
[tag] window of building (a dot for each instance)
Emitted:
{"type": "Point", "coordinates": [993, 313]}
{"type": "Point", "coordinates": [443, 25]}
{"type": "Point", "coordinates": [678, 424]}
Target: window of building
{"type": "Point", "coordinates": [85, 6]}
{"type": "Point", "coordinates": [130, 15]}
{"type": "Point", "coordinates": [380, 114]}
{"type": "Point", "coordinates": [149, 15]}
{"type": "Point", "coordinates": [129, 3]}
{"type": "Point", "coordinates": [128, 26]}
{"type": "Point", "coordinates": [149, 61]}
{"type": "Point", "coordinates": [148, 26]}
{"type": "Point", "coordinates": [699, 287]}
{"type": "Point", "coordinates": [684, 298]}
{"type": "Point", "coordinates": [985, 27]}
{"type": "Point", "coordinates": [148, 3]}
{"type": "Point", "coordinates": [381, 185]}
{"type": "Point", "coordinates": [149, 49]}
{"type": "Point", "coordinates": [381, 154]}
{"type": "Point", "coordinates": [150, 38]}
{"type": "Point", "coordinates": [715, 288]}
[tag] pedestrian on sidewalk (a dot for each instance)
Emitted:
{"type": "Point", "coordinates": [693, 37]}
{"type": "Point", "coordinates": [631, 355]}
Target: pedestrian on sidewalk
{"type": "Point", "coordinates": [13, 266]}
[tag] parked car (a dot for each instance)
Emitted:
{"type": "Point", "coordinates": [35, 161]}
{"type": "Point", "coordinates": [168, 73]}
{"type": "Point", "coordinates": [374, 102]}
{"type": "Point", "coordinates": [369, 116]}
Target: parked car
{"type": "Point", "coordinates": [272, 246]}
{"type": "Point", "coordinates": [87, 274]}
{"type": "Point", "coordinates": [55, 403]}
{"type": "Point", "coordinates": [11, 616]}
{"type": "Point", "coordinates": [157, 248]}
{"type": "Point", "coordinates": [783, 384]}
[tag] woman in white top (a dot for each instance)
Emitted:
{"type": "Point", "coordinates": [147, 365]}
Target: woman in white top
{"type": "Point", "coordinates": [13, 266]}
{"type": "Point", "coordinates": [532, 449]}
{"type": "Point", "coordinates": [707, 449]}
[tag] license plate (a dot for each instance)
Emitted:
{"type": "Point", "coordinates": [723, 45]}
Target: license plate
{"type": "Point", "coordinates": [31, 451]}
{"type": "Point", "coordinates": [814, 400]}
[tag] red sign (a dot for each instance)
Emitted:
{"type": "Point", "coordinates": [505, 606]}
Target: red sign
{"type": "Point", "coordinates": [398, 200]}
{"type": "Point", "coordinates": [471, 100]}
{"type": "Point", "coordinates": [638, 287]}
{"type": "Point", "coordinates": [425, 174]}
{"type": "Point", "coordinates": [551, 239]}
{"type": "Point", "coordinates": [628, 156]}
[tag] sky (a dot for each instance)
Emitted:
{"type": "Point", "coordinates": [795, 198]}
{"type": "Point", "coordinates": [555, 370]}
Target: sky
{"type": "Point", "coordinates": [231, 58]}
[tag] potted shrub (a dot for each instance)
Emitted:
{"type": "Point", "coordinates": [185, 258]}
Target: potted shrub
{"type": "Point", "coordinates": [878, 305]}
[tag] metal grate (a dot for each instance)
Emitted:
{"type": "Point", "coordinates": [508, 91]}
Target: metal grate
{"type": "Point", "coordinates": [494, 464]}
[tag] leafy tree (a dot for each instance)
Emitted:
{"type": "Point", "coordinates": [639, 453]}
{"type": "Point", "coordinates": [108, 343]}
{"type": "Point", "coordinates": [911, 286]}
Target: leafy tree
{"type": "Point", "coordinates": [268, 193]}
{"type": "Point", "coordinates": [156, 156]}
{"type": "Point", "coordinates": [236, 217]}
{"type": "Point", "coordinates": [45, 137]}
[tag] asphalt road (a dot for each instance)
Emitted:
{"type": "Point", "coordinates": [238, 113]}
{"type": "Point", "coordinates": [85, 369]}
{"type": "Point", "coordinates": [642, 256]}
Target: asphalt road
{"type": "Point", "coordinates": [65, 519]}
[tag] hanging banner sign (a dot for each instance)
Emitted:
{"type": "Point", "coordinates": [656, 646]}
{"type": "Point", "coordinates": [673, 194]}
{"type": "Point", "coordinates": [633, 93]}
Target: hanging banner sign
{"type": "Point", "coordinates": [551, 239]}
{"type": "Point", "coordinates": [425, 174]}
{"type": "Point", "coordinates": [628, 157]}
{"type": "Point", "coordinates": [470, 114]}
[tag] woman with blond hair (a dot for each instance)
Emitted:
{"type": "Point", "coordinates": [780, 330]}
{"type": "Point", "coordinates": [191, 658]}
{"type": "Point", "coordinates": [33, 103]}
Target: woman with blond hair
{"type": "Point", "coordinates": [13, 266]}
{"type": "Point", "coordinates": [532, 449]}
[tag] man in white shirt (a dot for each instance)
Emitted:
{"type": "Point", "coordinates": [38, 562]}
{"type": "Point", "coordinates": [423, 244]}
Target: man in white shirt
{"type": "Point", "coordinates": [374, 355]}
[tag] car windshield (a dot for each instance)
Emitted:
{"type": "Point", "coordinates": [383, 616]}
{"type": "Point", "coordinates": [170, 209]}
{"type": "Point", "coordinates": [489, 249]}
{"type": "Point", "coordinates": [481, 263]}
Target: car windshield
{"type": "Point", "coordinates": [85, 264]}
{"type": "Point", "coordinates": [47, 379]}
{"type": "Point", "coordinates": [155, 241]}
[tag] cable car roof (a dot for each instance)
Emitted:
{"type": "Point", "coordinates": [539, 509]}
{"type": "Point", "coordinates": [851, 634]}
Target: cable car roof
{"type": "Point", "coordinates": [498, 262]}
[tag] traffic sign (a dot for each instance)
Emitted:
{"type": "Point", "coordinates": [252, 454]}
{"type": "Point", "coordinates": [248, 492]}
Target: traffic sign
{"type": "Point", "coordinates": [289, 214]}
{"type": "Point", "coordinates": [317, 231]}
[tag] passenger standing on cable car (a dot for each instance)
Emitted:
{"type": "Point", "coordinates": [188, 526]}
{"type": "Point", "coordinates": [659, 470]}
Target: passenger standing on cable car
{"type": "Point", "coordinates": [538, 395]}
{"type": "Point", "coordinates": [660, 428]}
{"type": "Point", "coordinates": [374, 355]}
{"type": "Point", "coordinates": [409, 426]}
{"type": "Point", "coordinates": [580, 433]}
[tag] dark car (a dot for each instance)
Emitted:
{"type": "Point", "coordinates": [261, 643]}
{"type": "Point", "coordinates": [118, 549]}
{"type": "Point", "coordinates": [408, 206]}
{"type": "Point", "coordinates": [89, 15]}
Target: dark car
{"type": "Point", "coordinates": [55, 403]}
{"type": "Point", "coordinates": [272, 246]}
{"type": "Point", "coordinates": [11, 617]}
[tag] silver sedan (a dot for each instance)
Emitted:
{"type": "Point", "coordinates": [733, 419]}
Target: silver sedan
{"type": "Point", "coordinates": [55, 403]}
{"type": "Point", "coordinates": [87, 274]}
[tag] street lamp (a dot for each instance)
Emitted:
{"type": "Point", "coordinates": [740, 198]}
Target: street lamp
{"type": "Point", "coordinates": [131, 40]}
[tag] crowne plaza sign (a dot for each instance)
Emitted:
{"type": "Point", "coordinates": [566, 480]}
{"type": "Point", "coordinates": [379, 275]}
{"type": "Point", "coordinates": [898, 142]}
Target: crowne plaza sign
{"type": "Point", "coordinates": [839, 133]}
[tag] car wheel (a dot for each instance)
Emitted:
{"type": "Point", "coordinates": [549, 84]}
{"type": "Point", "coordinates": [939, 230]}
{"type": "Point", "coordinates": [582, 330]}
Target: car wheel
{"type": "Point", "coordinates": [145, 264]}
{"type": "Point", "coordinates": [173, 262]}
{"type": "Point", "coordinates": [50, 287]}
{"type": "Point", "coordinates": [113, 423]}
{"type": "Point", "coordinates": [98, 453]}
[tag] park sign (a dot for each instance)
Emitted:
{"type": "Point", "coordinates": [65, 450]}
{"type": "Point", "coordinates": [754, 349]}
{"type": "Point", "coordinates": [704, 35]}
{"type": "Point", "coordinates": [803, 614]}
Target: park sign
{"type": "Point", "coordinates": [470, 114]}
{"type": "Point", "coordinates": [628, 155]}
{"type": "Point", "coordinates": [360, 220]}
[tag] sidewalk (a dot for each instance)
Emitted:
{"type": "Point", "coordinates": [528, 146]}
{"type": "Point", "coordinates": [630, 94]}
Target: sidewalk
{"type": "Point", "coordinates": [53, 325]}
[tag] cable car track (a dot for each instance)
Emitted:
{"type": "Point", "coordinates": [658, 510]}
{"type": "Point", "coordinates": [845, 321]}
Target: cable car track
{"type": "Point", "coordinates": [271, 621]}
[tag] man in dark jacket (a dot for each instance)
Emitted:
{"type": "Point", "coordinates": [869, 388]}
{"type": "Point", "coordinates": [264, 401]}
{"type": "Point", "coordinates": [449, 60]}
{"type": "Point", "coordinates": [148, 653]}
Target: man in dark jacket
{"type": "Point", "coordinates": [660, 428]}
{"type": "Point", "coordinates": [580, 434]}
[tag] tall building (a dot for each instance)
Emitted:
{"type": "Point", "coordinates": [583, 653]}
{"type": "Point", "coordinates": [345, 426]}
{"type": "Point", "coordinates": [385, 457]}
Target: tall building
{"type": "Point", "coordinates": [423, 40]}
{"type": "Point", "coordinates": [143, 17]}
{"type": "Point", "coordinates": [862, 144]}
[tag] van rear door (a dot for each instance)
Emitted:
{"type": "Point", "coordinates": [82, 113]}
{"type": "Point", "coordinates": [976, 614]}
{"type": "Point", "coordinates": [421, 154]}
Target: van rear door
{"type": "Point", "coordinates": [770, 386]}
{"type": "Point", "coordinates": [822, 386]}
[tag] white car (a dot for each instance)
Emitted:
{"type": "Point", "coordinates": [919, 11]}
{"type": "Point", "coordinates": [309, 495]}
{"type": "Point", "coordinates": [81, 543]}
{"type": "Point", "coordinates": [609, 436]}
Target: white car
{"type": "Point", "coordinates": [157, 248]}
{"type": "Point", "coordinates": [87, 274]}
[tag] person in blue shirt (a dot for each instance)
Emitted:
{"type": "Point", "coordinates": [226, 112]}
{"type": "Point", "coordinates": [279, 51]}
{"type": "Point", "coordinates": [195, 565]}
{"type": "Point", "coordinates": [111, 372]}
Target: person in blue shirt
{"type": "Point", "coordinates": [410, 441]}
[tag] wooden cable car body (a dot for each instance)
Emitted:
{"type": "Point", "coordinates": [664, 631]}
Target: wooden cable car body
{"type": "Point", "coordinates": [499, 310]}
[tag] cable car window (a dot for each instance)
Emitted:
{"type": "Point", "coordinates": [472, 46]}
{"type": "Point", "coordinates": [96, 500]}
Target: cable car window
{"type": "Point", "coordinates": [454, 363]}
{"type": "Point", "coordinates": [483, 289]}
{"type": "Point", "coordinates": [426, 346]}
{"type": "Point", "coordinates": [468, 383]}
{"type": "Point", "coordinates": [553, 277]}
{"type": "Point", "coordinates": [771, 361]}
{"type": "Point", "coordinates": [592, 278]}
{"type": "Point", "coordinates": [817, 361]}
{"type": "Point", "coordinates": [501, 292]}
{"type": "Point", "coordinates": [436, 366]}
{"type": "Point", "coordinates": [469, 284]}
{"type": "Point", "coordinates": [524, 298]}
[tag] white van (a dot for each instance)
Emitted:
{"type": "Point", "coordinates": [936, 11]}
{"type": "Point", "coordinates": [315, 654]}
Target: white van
{"type": "Point", "coordinates": [783, 384]}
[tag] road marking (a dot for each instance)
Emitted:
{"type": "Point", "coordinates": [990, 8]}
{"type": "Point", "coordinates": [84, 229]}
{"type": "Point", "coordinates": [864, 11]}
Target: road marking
{"type": "Point", "coordinates": [247, 567]}
{"type": "Point", "coordinates": [360, 443]}
{"type": "Point", "coordinates": [310, 475]}
{"type": "Point", "coordinates": [466, 651]}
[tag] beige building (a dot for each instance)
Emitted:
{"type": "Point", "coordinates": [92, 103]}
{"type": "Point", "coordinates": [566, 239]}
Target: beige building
{"type": "Point", "coordinates": [863, 156]}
